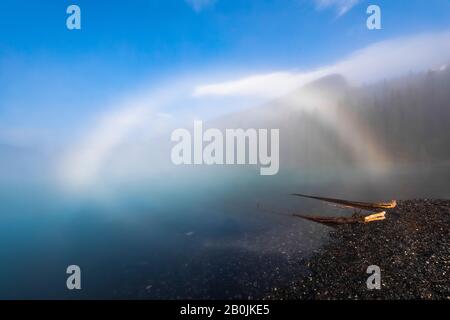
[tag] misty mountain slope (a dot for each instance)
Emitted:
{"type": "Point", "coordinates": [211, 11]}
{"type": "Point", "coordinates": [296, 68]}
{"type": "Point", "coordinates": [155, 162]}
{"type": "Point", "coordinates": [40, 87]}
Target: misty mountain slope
{"type": "Point", "coordinates": [409, 115]}
{"type": "Point", "coordinates": [330, 123]}
{"type": "Point", "coordinates": [308, 121]}
{"type": "Point", "coordinates": [327, 124]}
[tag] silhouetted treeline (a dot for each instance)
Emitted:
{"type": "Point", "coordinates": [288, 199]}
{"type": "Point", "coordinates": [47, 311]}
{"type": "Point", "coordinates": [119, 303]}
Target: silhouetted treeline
{"type": "Point", "coordinates": [410, 116]}
{"type": "Point", "coordinates": [407, 118]}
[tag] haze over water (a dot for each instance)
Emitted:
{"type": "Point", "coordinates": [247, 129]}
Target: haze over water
{"type": "Point", "coordinates": [86, 117]}
{"type": "Point", "coordinates": [180, 237]}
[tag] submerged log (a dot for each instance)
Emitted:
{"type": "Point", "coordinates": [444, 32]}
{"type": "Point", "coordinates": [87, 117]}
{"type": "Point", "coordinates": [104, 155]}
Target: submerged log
{"type": "Point", "coordinates": [333, 221]}
{"type": "Point", "coordinates": [356, 218]}
{"type": "Point", "coordinates": [353, 204]}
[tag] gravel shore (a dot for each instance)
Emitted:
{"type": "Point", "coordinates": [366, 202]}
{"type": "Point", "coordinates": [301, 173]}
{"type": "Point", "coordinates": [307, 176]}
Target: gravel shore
{"type": "Point", "coordinates": [411, 247]}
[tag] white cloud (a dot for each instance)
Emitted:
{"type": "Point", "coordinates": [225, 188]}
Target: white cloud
{"type": "Point", "coordinates": [199, 5]}
{"type": "Point", "coordinates": [342, 6]}
{"type": "Point", "coordinates": [260, 85]}
{"type": "Point", "coordinates": [385, 59]}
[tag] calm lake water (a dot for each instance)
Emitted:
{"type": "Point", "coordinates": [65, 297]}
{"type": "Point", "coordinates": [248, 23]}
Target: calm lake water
{"type": "Point", "coordinates": [212, 236]}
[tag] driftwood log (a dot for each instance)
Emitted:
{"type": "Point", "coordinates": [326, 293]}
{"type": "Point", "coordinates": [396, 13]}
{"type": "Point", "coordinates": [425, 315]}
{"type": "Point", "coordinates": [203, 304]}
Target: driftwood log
{"type": "Point", "coordinates": [356, 218]}
{"type": "Point", "coordinates": [333, 221]}
{"type": "Point", "coordinates": [353, 204]}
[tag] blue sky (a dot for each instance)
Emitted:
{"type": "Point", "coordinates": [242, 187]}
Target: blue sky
{"type": "Point", "coordinates": [171, 34]}
{"type": "Point", "coordinates": [55, 79]}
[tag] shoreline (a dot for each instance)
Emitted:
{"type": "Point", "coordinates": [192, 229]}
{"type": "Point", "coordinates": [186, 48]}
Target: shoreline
{"type": "Point", "coordinates": [411, 247]}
